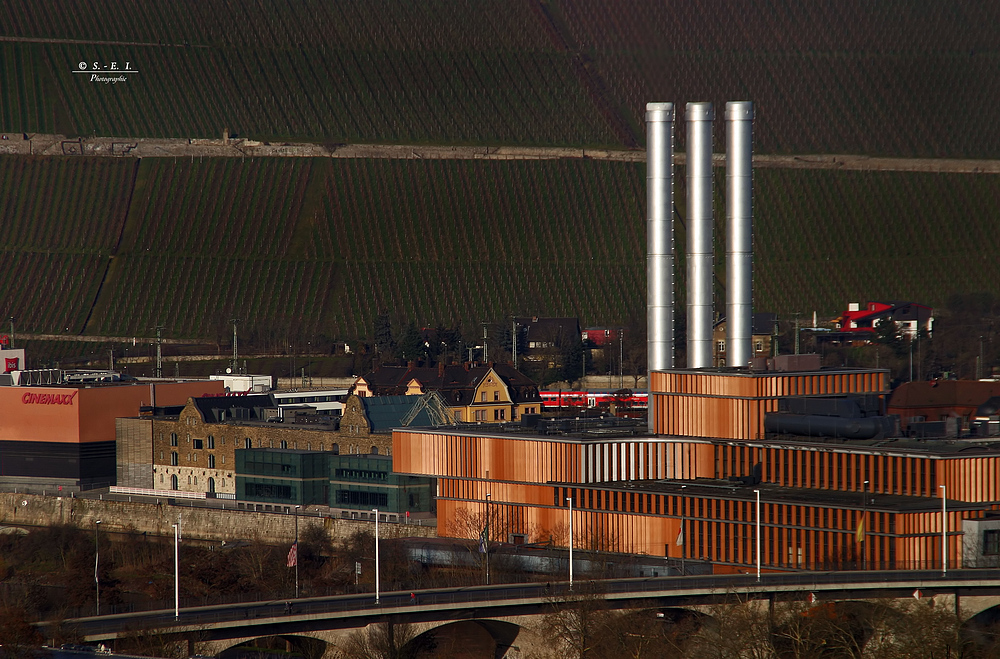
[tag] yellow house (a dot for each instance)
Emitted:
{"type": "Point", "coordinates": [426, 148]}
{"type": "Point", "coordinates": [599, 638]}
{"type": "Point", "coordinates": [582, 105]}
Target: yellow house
{"type": "Point", "coordinates": [474, 393]}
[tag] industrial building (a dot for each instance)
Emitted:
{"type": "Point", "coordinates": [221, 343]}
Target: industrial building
{"type": "Point", "coordinates": [802, 455]}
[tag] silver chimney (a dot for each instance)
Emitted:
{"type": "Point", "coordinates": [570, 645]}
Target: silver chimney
{"type": "Point", "coordinates": [739, 233]}
{"type": "Point", "coordinates": [700, 289]}
{"type": "Point", "coordinates": [659, 236]}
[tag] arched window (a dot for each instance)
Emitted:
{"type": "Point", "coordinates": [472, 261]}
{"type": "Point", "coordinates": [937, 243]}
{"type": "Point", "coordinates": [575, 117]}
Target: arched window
{"type": "Point", "coordinates": [211, 485]}
{"type": "Point", "coordinates": [211, 441]}
{"type": "Point", "coordinates": [211, 462]}
{"type": "Point", "coordinates": [173, 439]}
{"type": "Point", "coordinates": [173, 459]}
{"type": "Point", "coordinates": [173, 482]}
{"type": "Point", "coordinates": [374, 450]}
{"type": "Point", "coordinates": [334, 447]}
{"type": "Point", "coordinates": [247, 443]}
{"type": "Point", "coordinates": [189, 479]}
{"type": "Point", "coordinates": [284, 444]}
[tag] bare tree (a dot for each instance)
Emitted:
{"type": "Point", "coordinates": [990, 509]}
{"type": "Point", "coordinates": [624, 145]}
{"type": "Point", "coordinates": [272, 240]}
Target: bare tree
{"type": "Point", "coordinates": [383, 640]}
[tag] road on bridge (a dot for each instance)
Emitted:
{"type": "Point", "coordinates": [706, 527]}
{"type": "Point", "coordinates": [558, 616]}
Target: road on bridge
{"type": "Point", "coordinates": [347, 611]}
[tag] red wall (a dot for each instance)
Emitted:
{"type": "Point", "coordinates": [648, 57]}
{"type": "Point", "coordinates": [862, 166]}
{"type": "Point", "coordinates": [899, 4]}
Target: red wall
{"type": "Point", "coordinates": [84, 414]}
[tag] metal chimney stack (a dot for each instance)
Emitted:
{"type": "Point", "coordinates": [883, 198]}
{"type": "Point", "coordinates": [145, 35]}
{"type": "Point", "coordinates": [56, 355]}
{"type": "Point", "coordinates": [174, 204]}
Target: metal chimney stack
{"type": "Point", "coordinates": [659, 237]}
{"type": "Point", "coordinates": [739, 233]}
{"type": "Point", "coordinates": [699, 235]}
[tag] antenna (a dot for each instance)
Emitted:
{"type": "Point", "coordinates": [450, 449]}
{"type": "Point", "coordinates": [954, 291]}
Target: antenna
{"type": "Point", "coordinates": [235, 346]}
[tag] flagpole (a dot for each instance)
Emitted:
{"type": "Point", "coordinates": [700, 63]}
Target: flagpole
{"type": "Point", "coordinates": [864, 531]}
{"type": "Point", "coordinates": [296, 552]}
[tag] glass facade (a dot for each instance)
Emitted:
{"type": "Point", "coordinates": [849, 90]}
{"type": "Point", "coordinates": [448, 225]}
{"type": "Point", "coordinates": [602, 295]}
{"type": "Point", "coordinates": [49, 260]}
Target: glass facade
{"type": "Point", "coordinates": [361, 482]}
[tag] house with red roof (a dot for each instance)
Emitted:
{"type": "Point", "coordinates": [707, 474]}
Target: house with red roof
{"type": "Point", "coordinates": [908, 316]}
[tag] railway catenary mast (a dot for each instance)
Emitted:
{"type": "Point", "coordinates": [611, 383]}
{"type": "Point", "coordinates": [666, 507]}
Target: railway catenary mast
{"type": "Point", "coordinates": [739, 233]}
{"type": "Point", "coordinates": [659, 237]}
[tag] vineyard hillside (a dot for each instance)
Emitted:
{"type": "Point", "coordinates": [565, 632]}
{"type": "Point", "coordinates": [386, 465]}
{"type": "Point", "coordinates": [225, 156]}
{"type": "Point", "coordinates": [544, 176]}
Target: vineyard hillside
{"type": "Point", "coordinates": [910, 78]}
{"type": "Point", "coordinates": [321, 246]}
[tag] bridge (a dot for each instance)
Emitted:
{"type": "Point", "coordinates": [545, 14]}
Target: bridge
{"type": "Point", "coordinates": [505, 609]}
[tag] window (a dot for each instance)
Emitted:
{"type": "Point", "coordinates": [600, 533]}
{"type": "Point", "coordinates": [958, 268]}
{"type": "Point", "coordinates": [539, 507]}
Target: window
{"type": "Point", "coordinates": [211, 485]}
{"type": "Point", "coordinates": [211, 441]}
{"type": "Point", "coordinates": [991, 542]}
{"type": "Point", "coordinates": [721, 345]}
{"type": "Point", "coordinates": [173, 439]}
{"type": "Point", "coordinates": [211, 462]}
{"type": "Point", "coordinates": [247, 443]}
{"type": "Point", "coordinates": [333, 447]}
{"type": "Point", "coordinates": [480, 415]}
{"type": "Point", "coordinates": [173, 460]}
{"type": "Point", "coordinates": [223, 459]}
{"type": "Point", "coordinates": [352, 497]}
{"type": "Point", "coordinates": [458, 415]}
{"type": "Point", "coordinates": [374, 450]}
{"type": "Point", "coordinates": [189, 438]}
{"type": "Point", "coordinates": [496, 395]}
{"type": "Point", "coordinates": [283, 444]}
{"type": "Point", "coordinates": [199, 443]}
{"type": "Point", "coordinates": [482, 397]}
{"type": "Point", "coordinates": [759, 346]}
{"type": "Point", "coordinates": [173, 482]}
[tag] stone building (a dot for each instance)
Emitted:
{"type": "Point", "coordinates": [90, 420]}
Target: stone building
{"type": "Point", "coordinates": [192, 448]}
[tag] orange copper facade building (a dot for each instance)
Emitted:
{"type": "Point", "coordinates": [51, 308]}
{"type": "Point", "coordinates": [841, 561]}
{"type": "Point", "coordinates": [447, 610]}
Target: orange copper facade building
{"type": "Point", "coordinates": [825, 504]}
{"type": "Point", "coordinates": [730, 403]}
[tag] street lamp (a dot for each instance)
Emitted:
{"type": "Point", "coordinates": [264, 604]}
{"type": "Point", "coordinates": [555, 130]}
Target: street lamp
{"type": "Point", "coordinates": [944, 530]}
{"type": "Point", "coordinates": [683, 540]}
{"type": "Point", "coordinates": [757, 492]}
{"type": "Point", "coordinates": [375, 510]}
{"type": "Point", "coordinates": [297, 552]}
{"type": "Point", "coordinates": [97, 563]}
{"type": "Point", "coordinates": [177, 572]}
{"type": "Point", "coordinates": [569, 501]}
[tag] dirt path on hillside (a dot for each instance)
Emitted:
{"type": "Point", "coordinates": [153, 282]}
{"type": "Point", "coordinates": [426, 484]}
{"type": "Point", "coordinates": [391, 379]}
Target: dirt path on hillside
{"type": "Point", "coordinates": [58, 145]}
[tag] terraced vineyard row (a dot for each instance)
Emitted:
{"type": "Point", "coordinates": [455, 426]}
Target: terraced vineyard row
{"type": "Point", "coordinates": [862, 77]}
{"type": "Point", "coordinates": [827, 238]}
{"type": "Point", "coordinates": [322, 246]}
{"type": "Point", "coordinates": [55, 204]}
{"type": "Point", "coordinates": [370, 25]}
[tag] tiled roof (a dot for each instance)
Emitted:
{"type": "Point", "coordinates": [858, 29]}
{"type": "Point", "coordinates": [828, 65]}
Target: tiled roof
{"type": "Point", "coordinates": [943, 393]}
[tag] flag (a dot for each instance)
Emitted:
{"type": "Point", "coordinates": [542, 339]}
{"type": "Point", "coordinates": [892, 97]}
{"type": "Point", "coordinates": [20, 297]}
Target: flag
{"type": "Point", "coordinates": [483, 539]}
{"type": "Point", "coordinates": [860, 534]}
{"type": "Point", "coordinates": [293, 555]}
{"type": "Point", "coordinates": [680, 538]}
